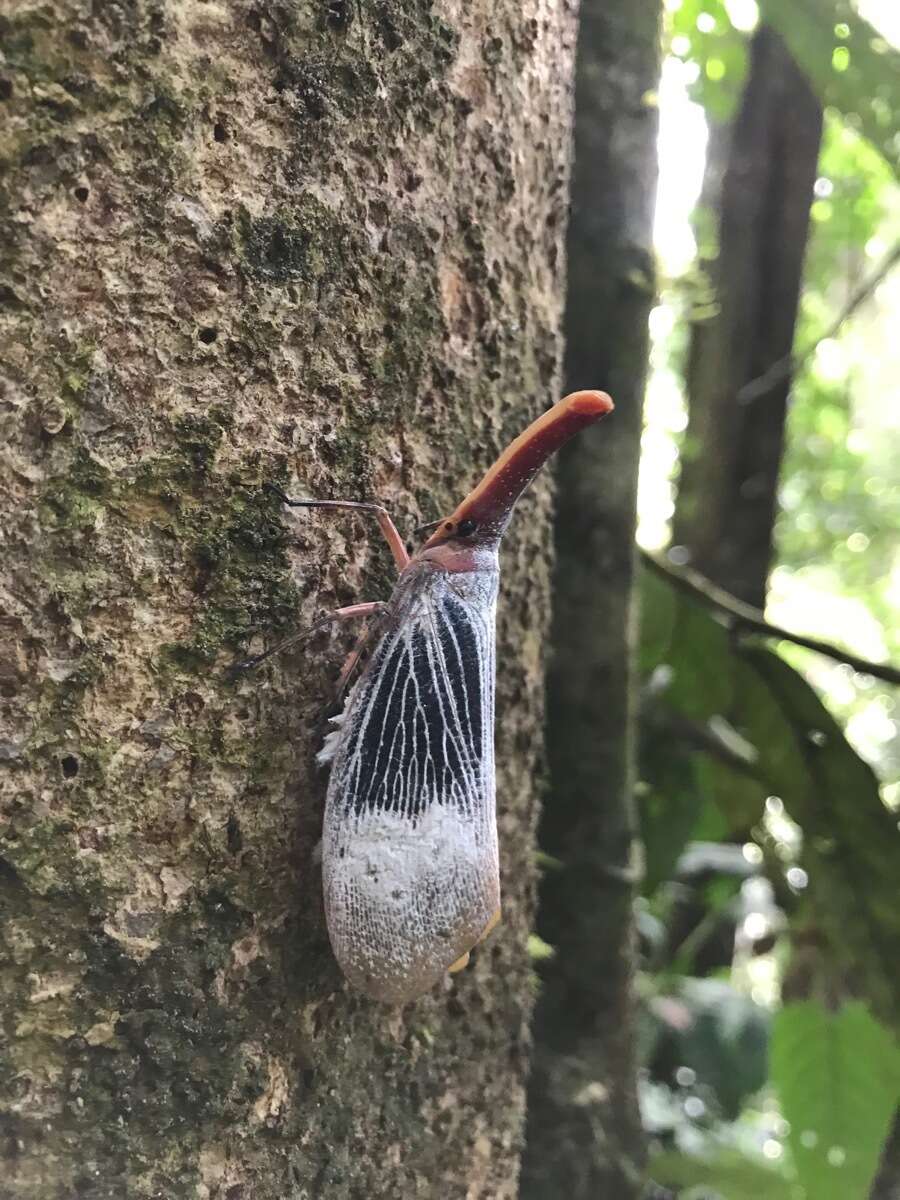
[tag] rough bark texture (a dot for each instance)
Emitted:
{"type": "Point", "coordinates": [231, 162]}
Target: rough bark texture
{"type": "Point", "coordinates": [732, 452]}
{"type": "Point", "coordinates": [584, 1136]}
{"type": "Point", "coordinates": [316, 243]}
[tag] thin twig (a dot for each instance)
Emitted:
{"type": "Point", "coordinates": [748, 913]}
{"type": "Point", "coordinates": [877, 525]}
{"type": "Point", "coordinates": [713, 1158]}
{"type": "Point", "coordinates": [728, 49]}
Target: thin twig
{"type": "Point", "coordinates": [744, 616]}
{"type": "Point", "coordinates": [786, 366]}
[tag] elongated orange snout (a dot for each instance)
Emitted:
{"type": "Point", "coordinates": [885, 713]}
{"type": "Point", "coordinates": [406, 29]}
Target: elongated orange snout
{"type": "Point", "coordinates": [485, 512]}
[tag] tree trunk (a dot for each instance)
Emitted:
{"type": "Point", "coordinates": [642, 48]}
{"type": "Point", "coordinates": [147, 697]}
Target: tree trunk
{"type": "Point", "coordinates": [886, 1185]}
{"type": "Point", "coordinates": [584, 1136]}
{"type": "Point", "coordinates": [319, 245]}
{"type": "Point", "coordinates": [727, 494]}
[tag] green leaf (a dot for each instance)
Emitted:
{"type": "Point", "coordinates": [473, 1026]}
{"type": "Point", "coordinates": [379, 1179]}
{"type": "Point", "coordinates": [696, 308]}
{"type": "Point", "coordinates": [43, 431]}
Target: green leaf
{"type": "Point", "coordinates": [658, 609]}
{"type": "Point", "coordinates": [700, 659]}
{"type": "Point", "coordinates": [728, 1175]}
{"type": "Point", "coordinates": [738, 797]}
{"type": "Point", "coordinates": [670, 806]}
{"type": "Point", "coordinates": [851, 842]}
{"type": "Point", "coordinates": [838, 1079]}
{"type": "Point", "coordinates": [761, 719]}
{"type": "Point", "coordinates": [848, 63]}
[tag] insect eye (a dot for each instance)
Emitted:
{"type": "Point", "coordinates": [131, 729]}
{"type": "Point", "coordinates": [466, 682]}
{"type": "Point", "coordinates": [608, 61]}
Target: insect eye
{"type": "Point", "coordinates": [466, 527]}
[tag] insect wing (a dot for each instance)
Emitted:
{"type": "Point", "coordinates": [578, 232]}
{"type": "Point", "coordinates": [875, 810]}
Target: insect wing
{"type": "Point", "coordinates": [417, 729]}
{"type": "Point", "coordinates": [410, 846]}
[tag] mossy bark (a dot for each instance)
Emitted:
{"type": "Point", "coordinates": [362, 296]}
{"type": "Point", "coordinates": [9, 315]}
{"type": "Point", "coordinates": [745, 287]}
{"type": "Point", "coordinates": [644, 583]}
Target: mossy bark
{"type": "Point", "coordinates": [315, 243]}
{"type": "Point", "coordinates": [584, 1137]}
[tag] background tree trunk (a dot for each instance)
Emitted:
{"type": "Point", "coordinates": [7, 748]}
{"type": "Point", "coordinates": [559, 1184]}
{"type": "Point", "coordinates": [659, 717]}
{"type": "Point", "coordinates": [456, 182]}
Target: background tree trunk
{"type": "Point", "coordinates": [584, 1135]}
{"type": "Point", "coordinates": [886, 1185]}
{"type": "Point", "coordinates": [318, 244]}
{"type": "Point", "coordinates": [727, 492]}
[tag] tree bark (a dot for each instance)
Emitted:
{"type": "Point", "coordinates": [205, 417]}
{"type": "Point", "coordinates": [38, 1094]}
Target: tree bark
{"type": "Point", "coordinates": [318, 245]}
{"type": "Point", "coordinates": [727, 495]}
{"type": "Point", "coordinates": [584, 1134]}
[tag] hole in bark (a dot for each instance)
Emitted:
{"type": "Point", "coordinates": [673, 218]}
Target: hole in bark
{"type": "Point", "coordinates": [254, 20]}
{"type": "Point", "coordinates": [82, 193]}
{"type": "Point", "coordinates": [389, 34]}
{"type": "Point", "coordinates": [208, 335]}
{"type": "Point", "coordinates": [5, 89]}
{"type": "Point", "coordinates": [337, 14]}
{"type": "Point", "coordinates": [69, 766]}
{"type": "Point", "coordinates": [220, 133]}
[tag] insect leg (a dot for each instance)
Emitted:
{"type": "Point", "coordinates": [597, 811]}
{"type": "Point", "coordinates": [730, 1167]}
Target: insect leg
{"type": "Point", "coordinates": [340, 614]}
{"type": "Point", "coordinates": [463, 960]}
{"type": "Point", "coordinates": [492, 924]}
{"type": "Point", "coordinates": [353, 658]}
{"type": "Point", "coordinates": [387, 526]}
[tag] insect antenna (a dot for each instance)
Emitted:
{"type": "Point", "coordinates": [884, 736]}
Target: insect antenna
{"type": "Point", "coordinates": [248, 664]}
{"type": "Point", "coordinates": [339, 614]}
{"type": "Point", "coordinates": [429, 527]}
{"type": "Point", "coordinates": [355, 658]}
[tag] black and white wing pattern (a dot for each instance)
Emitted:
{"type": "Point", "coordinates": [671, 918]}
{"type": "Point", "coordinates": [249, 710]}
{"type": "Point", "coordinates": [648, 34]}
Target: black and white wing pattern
{"type": "Point", "coordinates": [409, 852]}
{"type": "Point", "coordinates": [418, 727]}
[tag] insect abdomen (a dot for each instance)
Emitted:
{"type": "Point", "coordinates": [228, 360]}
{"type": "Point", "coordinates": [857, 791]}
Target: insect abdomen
{"type": "Point", "coordinates": [406, 898]}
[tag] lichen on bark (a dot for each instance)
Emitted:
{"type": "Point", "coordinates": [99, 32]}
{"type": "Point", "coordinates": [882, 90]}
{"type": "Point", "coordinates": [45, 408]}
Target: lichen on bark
{"type": "Point", "coordinates": [316, 244]}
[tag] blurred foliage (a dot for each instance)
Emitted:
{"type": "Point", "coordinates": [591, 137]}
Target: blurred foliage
{"type": "Point", "coordinates": [732, 735]}
{"type": "Point", "coordinates": [700, 30]}
{"type": "Point", "coordinates": [772, 859]}
{"type": "Point", "coordinates": [837, 1075]}
{"type": "Point", "coordinates": [849, 64]}
{"type": "Point", "coordinates": [727, 724]}
{"type": "Point", "coordinates": [718, 1172]}
{"type": "Point", "coordinates": [721, 1032]}
{"type": "Point", "coordinates": [851, 67]}
{"type": "Point", "coordinates": [840, 493]}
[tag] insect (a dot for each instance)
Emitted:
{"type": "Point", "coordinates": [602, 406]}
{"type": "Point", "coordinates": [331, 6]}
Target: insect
{"type": "Point", "coordinates": [409, 851]}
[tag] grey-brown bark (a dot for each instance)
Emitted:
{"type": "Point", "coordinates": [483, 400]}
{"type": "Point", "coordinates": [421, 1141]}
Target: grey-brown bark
{"type": "Point", "coordinates": [733, 444]}
{"type": "Point", "coordinates": [317, 243]}
{"type": "Point", "coordinates": [583, 1136]}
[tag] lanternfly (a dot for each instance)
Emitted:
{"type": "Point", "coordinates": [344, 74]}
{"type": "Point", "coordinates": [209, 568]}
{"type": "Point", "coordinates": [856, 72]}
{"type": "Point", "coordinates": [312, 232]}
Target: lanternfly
{"type": "Point", "coordinates": [409, 851]}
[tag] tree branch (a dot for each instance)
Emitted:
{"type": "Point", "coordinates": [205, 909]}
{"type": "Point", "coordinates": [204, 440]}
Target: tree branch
{"type": "Point", "coordinates": [744, 616]}
{"type": "Point", "coordinates": [782, 368]}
